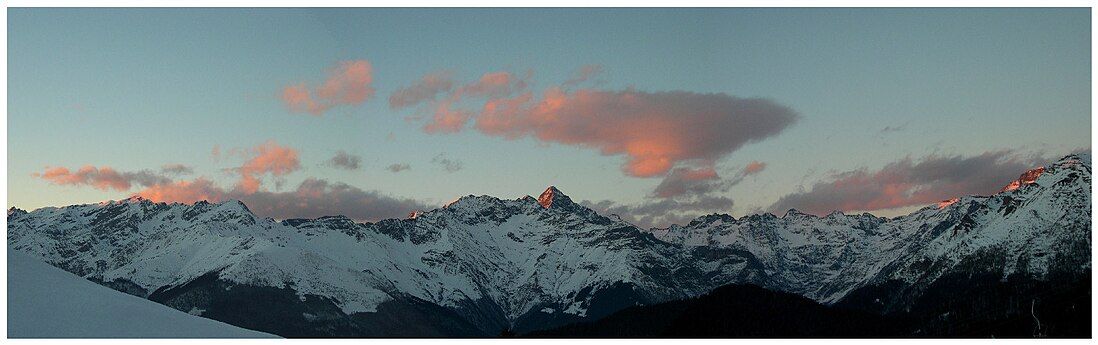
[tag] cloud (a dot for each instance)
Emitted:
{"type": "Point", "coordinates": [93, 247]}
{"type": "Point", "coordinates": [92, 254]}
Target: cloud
{"type": "Point", "coordinates": [425, 89]}
{"type": "Point", "coordinates": [908, 182]}
{"type": "Point", "coordinates": [347, 84]}
{"type": "Point", "coordinates": [492, 85]}
{"type": "Point", "coordinates": [184, 191]}
{"type": "Point", "coordinates": [682, 181]}
{"type": "Point", "coordinates": [446, 114]}
{"type": "Point", "coordinates": [583, 74]}
{"type": "Point", "coordinates": [102, 178]}
{"type": "Point", "coordinates": [312, 198]}
{"type": "Point", "coordinates": [268, 158]}
{"type": "Point", "coordinates": [685, 193]}
{"type": "Point", "coordinates": [316, 198]}
{"type": "Point", "coordinates": [300, 100]}
{"type": "Point", "coordinates": [451, 165]}
{"type": "Point", "coordinates": [655, 131]}
{"type": "Point", "coordinates": [447, 119]}
{"type": "Point", "coordinates": [687, 182]}
{"type": "Point", "coordinates": [176, 169]}
{"type": "Point", "coordinates": [344, 160]}
{"type": "Point", "coordinates": [662, 212]}
{"type": "Point", "coordinates": [398, 167]}
{"type": "Point", "coordinates": [752, 168]}
{"type": "Point", "coordinates": [889, 129]}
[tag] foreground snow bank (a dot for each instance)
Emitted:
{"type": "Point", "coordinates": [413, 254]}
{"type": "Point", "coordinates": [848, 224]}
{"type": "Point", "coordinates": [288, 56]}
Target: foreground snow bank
{"type": "Point", "coordinates": [47, 302]}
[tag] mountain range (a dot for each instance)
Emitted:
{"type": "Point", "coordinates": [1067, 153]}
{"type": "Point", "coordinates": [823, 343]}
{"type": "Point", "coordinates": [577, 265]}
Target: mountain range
{"type": "Point", "coordinates": [481, 265]}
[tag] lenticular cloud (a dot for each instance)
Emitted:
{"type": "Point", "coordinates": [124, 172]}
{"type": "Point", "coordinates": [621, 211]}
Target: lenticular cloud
{"type": "Point", "coordinates": [654, 130]}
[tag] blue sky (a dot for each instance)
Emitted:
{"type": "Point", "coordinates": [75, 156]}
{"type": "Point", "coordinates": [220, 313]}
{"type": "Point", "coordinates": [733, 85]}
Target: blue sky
{"type": "Point", "coordinates": [137, 89]}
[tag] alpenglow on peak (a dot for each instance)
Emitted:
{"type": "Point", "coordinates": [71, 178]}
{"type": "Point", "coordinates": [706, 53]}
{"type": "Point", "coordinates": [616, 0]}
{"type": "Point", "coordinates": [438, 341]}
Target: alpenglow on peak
{"type": "Point", "coordinates": [552, 196]}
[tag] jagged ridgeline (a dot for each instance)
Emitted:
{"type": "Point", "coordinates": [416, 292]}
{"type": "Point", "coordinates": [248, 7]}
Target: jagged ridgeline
{"type": "Point", "coordinates": [481, 265]}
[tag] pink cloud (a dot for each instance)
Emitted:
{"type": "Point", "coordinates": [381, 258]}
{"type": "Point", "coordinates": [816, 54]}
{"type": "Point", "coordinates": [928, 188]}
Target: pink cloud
{"type": "Point", "coordinates": [184, 192]}
{"type": "Point", "coordinates": [347, 84]}
{"type": "Point", "coordinates": [268, 157]}
{"type": "Point", "coordinates": [102, 178]}
{"type": "Point", "coordinates": [312, 198]}
{"type": "Point", "coordinates": [909, 183]}
{"type": "Point", "coordinates": [752, 168]}
{"type": "Point", "coordinates": [447, 115]}
{"type": "Point", "coordinates": [654, 131]}
{"type": "Point", "coordinates": [447, 119]}
{"type": "Point", "coordinates": [299, 99]}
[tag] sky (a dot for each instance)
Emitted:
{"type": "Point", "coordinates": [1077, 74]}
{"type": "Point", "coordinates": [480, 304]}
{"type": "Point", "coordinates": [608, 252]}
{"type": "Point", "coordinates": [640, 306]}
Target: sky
{"type": "Point", "coordinates": [658, 115]}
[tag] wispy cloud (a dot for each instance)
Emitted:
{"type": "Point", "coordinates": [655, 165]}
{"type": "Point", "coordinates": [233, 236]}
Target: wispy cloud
{"type": "Point", "coordinates": [448, 164]}
{"type": "Point", "coordinates": [102, 178]}
{"type": "Point", "coordinates": [661, 212]}
{"type": "Point", "coordinates": [345, 161]}
{"type": "Point", "coordinates": [494, 84]}
{"type": "Point", "coordinates": [890, 129]}
{"type": "Point", "coordinates": [317, 197]}
{"type": "Point", "coordinates": [684, 194]}
{"type": "Point", "coordinates": [584, 73]}
{"type": "Point", "coordinates": [424, 89]}
{"type": "Point", "coordinates": [347, 84]}
{"type": "Point", "coordinates": [176, 169]}
{"type": "Point", "coordinates": [701, 182]}
{"type": "Point", "coordinates": [398, 167]}
{"type": "Point", "coordinates": [446, 114]}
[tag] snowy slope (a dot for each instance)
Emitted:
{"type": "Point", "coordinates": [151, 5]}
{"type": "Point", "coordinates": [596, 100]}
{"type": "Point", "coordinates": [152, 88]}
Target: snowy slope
{"type": "Point", "coordinates": [46, 302]}
{"type": "Point", "coordinates": [537, 262]}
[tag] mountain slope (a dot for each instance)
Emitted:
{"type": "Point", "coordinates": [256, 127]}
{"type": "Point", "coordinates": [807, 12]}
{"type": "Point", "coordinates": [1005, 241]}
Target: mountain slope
{"type": "Point", "coordinates": [1033, 309]}
{"type": "Point", "coordinates": [46, 302]}
{"type": "Point", "coordinates": [732, 311]}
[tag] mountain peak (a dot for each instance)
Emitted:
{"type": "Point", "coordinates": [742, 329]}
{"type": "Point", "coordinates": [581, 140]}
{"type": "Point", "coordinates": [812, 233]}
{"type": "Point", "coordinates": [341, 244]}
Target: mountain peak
{"type": "Point", "coordinates": [553, 196]}
{"type": "Point", "coordinates": [1027, 178]}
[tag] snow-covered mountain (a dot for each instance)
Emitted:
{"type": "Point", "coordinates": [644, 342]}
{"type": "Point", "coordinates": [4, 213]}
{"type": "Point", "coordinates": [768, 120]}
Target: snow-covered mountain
{"type": "Point", "coordinates": [481, 264]}
{"type": "Point", "coordinates": [46, 302]}
{"type": "Point", "coordinates": [496, 264]}
{"type": "Point", "coordinates": [1040, 222]}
